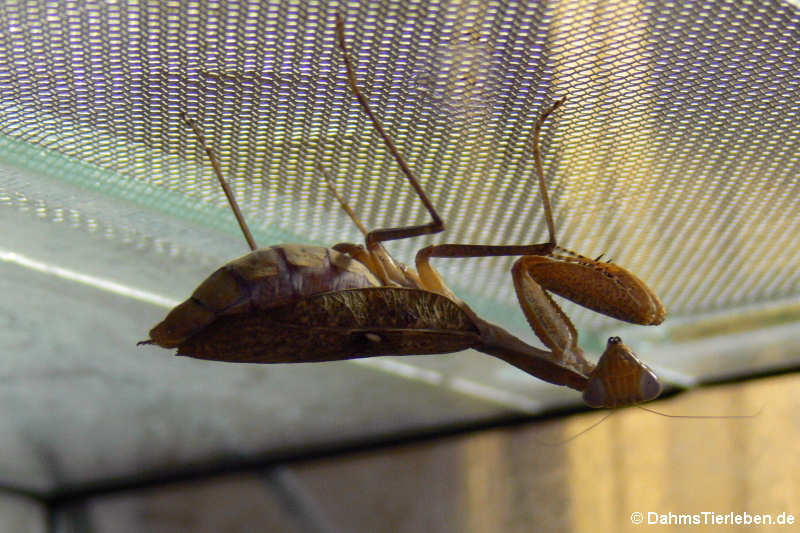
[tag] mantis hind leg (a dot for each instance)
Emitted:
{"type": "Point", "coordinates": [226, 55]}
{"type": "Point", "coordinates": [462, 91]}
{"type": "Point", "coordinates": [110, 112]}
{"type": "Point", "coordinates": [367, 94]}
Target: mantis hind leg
{"type": "Point", "coordinates": [342, 202]}
{"type": "Point", "coordinates": [374, 237]}
{"type": "Point", "coordinates": [218, 172]}
{"type": "Point", "coordinates": [377, 260]}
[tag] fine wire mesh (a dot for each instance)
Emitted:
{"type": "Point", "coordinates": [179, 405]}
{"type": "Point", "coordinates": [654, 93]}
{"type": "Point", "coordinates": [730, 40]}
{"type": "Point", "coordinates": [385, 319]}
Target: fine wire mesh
{"type": "Point", "coordinates": [675, 155]}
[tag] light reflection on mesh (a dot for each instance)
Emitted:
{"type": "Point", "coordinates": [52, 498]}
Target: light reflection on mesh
{"type": "Point", "coordinates": [676, 153]}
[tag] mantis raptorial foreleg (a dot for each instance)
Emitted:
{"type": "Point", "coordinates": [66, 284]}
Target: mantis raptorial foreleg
{"type": "Point", "coordinates": [548, 321]}
{"type": "Point", "coordinates": [602, 287]}
{"type": "Point", "coordinates": [620, 377]}
{"type": "Point", "coordinates": [292, 303]}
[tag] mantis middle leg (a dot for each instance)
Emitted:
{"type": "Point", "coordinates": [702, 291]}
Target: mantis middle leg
{"type": "Point", "coordinates": [602, 287]}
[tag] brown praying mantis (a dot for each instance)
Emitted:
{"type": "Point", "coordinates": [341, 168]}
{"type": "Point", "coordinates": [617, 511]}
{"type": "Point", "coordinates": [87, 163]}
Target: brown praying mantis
{"type": "Point", "coordinates": [303, 303]}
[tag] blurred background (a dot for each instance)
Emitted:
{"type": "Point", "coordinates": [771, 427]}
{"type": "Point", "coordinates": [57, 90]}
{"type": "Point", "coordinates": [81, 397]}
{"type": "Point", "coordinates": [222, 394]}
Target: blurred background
{"type": "Point", "coordinates": [677, 155]}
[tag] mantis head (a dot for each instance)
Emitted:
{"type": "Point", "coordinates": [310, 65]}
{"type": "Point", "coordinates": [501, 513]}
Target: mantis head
{"type": "Point", "coordinates": [620, 379]}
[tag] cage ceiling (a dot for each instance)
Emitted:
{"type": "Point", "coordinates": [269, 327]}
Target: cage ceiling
{"type": "Point", "coordinates": [675, 155]}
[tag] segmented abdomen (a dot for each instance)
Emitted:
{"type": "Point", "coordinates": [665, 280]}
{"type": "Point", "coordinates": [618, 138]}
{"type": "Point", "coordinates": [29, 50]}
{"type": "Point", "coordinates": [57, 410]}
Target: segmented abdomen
{"type": "Point", "coordinates": [262, 279]}
{"type": "Point", "coordinates": [285, 273]}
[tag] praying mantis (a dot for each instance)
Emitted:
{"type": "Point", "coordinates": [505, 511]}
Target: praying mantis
{"type": "Point", "coordinates": [303, 303]}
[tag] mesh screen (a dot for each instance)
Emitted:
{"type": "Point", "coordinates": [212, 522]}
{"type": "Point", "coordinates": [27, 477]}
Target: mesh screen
{"type": "Point", "coordinates": [676, 154]}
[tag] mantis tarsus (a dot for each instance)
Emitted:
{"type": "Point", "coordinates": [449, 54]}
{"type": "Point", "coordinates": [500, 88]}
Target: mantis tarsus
{"type": "Point", "coordinates": [297, 303]}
